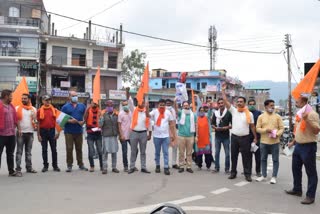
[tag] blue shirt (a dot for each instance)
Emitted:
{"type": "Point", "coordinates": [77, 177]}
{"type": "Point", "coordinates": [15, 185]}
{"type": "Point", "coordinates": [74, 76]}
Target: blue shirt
{"type": "Point", "coordinates": [77, 113]}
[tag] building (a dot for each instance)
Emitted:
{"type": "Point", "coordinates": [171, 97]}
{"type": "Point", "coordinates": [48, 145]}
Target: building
{"type": "Point", "coordinates": [22, 22]}
{"type": "Point", "coordinates": [259, 94]}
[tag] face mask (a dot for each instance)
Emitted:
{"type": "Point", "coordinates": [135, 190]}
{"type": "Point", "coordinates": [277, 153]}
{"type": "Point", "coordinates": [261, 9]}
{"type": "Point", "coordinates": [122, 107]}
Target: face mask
{"type": "Point", "coordinates": [109, 109]}
{"type": "Point", "coordinates": [169, 107]}
{"type": "Point", "coordinates": [125, 108]}
{"type": "Point", "coordinates": [74, 99]}
{"type": "Point", "coordinates": [270, 110]}
{"type": "Point", "coordinates": [201, 114]}
{"type": "Point", "coordinates": [186, 111]}
{"type": "Point", "coordinates": [251, 108]}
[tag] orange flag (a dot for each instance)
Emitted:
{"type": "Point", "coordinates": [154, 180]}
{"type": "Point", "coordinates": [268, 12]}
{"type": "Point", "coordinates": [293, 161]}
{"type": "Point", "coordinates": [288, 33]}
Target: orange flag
{"type": "Point", "coordinates": [22, 88]}
{"type": "Point", "coordinates": [306, 85]}
{"type": "Point", "coordinates": [193, 102]}
{"type": "Point", "coordinates": [144, 87]}
{"type": "Point", "coordinates": [96, 87]}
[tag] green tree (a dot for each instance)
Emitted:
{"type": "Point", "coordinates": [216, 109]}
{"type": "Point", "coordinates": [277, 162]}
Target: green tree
{"type": "Point", "coordinates": [133, 67]}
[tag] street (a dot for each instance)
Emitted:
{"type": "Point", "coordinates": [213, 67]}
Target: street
{"type": "Point", "coordinates": [89, 193]}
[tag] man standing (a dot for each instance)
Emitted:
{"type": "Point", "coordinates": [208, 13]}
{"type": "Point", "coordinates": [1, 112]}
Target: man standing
{"type": "Point", "coordinates": [94, 139]}
{"type": "Point", "coordinates": [187, 127]}
{"type": "Point", "coordinates": [307, 129]}
{"type": "Point", "coordinates": [271, 127]}
{"type": "Point", "coordinates": [73, 130]}
{"type": "Point", "coordinates": [221, 123]}
{"type": "Point", "coordinates": [256, 113]}
{"type": "Point", "coordinates": [27, 116]}
{"type": "Point", "coordinates": [140, 125]}
{"type": "Point", "coordinates": [163, 121]}
{"type": "Point", "coordinates": [242, 121]}
{"type": "Point", "coordinates": [8, 123]}
{"type": "Point", "coordinates": [46, 116]}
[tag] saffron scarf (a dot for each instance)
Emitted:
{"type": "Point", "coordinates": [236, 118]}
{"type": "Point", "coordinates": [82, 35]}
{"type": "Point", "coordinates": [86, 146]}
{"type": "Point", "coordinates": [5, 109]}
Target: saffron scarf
{"type": "Point", "coordinates": [245, 110]}
{"type": "Point", "coordinates": [90, 118]}
{"type": "Point", "coordinates": [135, 117]}
{"type": "Point", "coordinates": [305, 109]}
{"type": "Point", "coordinates": [161, 116]}
{"type": "Point", "coordinates": [20, 112]}
{"type": "Point", "coordinates": [43, 107]}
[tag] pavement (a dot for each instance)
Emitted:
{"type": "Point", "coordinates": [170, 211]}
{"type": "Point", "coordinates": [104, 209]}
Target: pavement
{"type": "Point", "coordinates": [90, 193]}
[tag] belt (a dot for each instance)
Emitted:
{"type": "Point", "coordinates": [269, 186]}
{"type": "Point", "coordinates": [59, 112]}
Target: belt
{"type": "Point", "coordinates": [140, 131]}
{"type": "Point", "coordinates": [239, 136]}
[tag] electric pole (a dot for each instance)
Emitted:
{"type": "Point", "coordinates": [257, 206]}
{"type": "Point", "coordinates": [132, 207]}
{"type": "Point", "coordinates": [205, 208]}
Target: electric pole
{"type": "Point", "coordinates": [288, 46]}
{"type": "Point", "coordinates": [212, 37]}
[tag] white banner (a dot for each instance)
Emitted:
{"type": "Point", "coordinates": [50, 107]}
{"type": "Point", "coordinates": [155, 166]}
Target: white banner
{"type": "Point", "coordinates": [181, 92]}
{"type": "Point", "coordinates": [117, 95]}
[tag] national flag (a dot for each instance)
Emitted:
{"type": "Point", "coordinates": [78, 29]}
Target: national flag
{"type": "Point", "coordinates": [306, 85]}
{"type": "Point", "coordinates": [144, 87]}
{"type": "Point", "coordinates": [96, 87]}
{"type": "Point", "coordinates": [62, 119]}
{"type": "Point", "coordinates": [22, 88]}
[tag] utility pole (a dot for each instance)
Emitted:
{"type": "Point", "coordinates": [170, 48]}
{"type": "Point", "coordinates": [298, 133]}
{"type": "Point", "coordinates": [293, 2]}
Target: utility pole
{"type": "Point", "coordinates": [212, 37]}
{"type": "Point", "coordinates": [288, 46]}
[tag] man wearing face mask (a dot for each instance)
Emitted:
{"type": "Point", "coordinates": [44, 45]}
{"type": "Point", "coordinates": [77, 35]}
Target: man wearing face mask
{"type": "Point", "coordinates": [94, 139]}
{"type": "Point", "coordinates": [256, 113]}
{"type": "Point", "coordinates": [110, 132]}
{"type": "Point", "coordinates": [173, 134]}
{"type": "Point", "coordinates": [73, 130]}
{"type": "Point", "coordinates": [187, 126]}
{"type": "Point", "coordinates": [270, 126]}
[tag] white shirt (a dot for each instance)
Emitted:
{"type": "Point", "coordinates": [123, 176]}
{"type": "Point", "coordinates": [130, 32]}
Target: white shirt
{"type": "Point", "coordinates": [240, 126]}
{"type": "Point", "coordinates": [161, 131]}
{"type": "Point", "coordinates": [26, 122]}
{"type": "Point", "coordinates": [141, 124]}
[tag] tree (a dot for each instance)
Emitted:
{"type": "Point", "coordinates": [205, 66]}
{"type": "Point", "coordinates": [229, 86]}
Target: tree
{"type": "Point", "coordinates": [132, 68]}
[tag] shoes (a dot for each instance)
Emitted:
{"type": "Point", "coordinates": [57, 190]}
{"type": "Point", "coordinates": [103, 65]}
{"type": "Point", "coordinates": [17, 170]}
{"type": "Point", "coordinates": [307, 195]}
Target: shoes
{"type": "Point", "coordinates": [56, 169]}
{"type": "Point", "coordinates": [69, 169]}
{"type": "Point", "coordinates": [292, 192]}
{"type": "Point", "coordinates": [199, 168]}
{"type": "Point", "coordinates": [83, 168]}
{"type": "Point", "coordinates": [104, 171]}
{"type": "Point", "coordinates": [273, 180]}
{"type": "Point", "coordinates": [232, 176]}
{"type": "Point", "coordinates": [125, 169]}
{"type": "Point", "coordinates": [258, 174]}
{"type": "Point", "coordinates": [131, 171]}
{"type": "Point", "coordinates": [189, 170]}
{"type": "Point", "coordinates": [136, 169]}
{"type": "Point", "coordinates": [248, 178]}
{"type": "Point", "coordinates": [181, 170]}
{"type": "Point", "coordinates": [227, 172]}
{"type": "Point", "coordinates": [115, 170]}
{"type": "Point", "coordinates": [307, 201]}
{"type": "Point", "coordinates": [44, 169]}
{"type": "Point", "coordinates": [260, 179]}
{"type": "Point", "coordinates": [166, 171]}
{"type": "Point", "coordinates": [13, 174]}
{"type": "Point", "coordinates": [91, 169]}
{"type": "Point", "coordinates": [215, 171]}
{"type": "Point", "coordinates": [18, 174]}
{"type": "Point", "coordinates": [31, 171]}
{"type": "Point", "coordinates": [175, 166]}
{"type": "Point", "coordinates": [158, 169]}
{"type": "Point", "coordinates": [145, 171]}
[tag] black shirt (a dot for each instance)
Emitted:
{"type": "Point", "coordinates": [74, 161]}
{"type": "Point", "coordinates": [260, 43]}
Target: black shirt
{"type": "Point", "coordinates": [225, 121]}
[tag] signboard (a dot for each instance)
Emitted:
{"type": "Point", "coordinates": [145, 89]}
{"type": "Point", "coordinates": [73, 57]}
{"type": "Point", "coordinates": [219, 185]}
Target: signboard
{"type": "Point", "coordinates": [57, 92]}
{"type": "Point", "coordinates": [117, 95]}
{"type": "Point", "coordinates": [28, 64]}
{"type": "Point", "coordinates": [31, 81]}
{"type": "Point", "coordinates": [65, 84]}
{"type": "Point", "coordinates": [103, 96]}
{"type": "Point", "coordinates": [211, 88]}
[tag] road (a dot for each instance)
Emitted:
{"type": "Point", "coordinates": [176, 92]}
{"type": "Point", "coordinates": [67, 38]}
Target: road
{"type": "Point", "coordinates": [89, 193]}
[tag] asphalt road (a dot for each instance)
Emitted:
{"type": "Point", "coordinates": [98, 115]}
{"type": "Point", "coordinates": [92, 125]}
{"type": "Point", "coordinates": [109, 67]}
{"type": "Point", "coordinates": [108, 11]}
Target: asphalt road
{"type": "Point", "coordinates": [89, 193]}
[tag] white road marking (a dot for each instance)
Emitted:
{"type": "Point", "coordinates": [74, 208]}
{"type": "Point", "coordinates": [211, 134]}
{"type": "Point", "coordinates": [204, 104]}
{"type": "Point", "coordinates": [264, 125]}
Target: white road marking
{"type": "Point", "coordinates": [219, 191]}
{"type": "Point", "coordinates": [147, 209]}
{"type": "Point", "coordinates": [215, 209]}
{"type": "Point", "coordinates": [242, 183]}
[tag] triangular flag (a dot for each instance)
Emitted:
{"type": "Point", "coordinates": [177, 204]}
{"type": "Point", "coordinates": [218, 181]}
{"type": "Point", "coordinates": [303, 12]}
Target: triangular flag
{"type": "Point", "coordinates": [306, 85]}
{"type": "Point", "coordinates": [144, 87]}
{"type": "Point", "coordinates": [22, 88]}
{"type": "Point", "coordinates": [96, 87]}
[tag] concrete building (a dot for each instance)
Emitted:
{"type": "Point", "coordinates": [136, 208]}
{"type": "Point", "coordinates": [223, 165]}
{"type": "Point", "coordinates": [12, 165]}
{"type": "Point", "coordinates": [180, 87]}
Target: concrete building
{"type": "Point", "coordinates": [259, 94]}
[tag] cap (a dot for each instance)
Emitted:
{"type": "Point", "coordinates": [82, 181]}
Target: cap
{"type": "Point", "coordinates": [46, 97]}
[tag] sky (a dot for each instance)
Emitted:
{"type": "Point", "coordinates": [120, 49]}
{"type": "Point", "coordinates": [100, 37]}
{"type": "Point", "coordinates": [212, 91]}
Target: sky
{"type": "Point", "coordinates": [249, 25]}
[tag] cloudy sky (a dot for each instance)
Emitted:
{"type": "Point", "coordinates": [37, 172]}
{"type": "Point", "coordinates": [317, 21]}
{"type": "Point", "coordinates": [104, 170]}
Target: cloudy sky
{"type": "Point", "coordinates": [244, 25]}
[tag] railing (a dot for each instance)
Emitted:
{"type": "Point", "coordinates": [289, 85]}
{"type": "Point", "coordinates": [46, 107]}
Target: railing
{"type": "Point", "coordinates": [19, 52]}
{"type": "Point", "coordinates": [19, 21]}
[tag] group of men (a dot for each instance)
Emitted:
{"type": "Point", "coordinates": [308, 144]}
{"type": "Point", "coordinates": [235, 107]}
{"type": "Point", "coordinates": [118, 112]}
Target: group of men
{"type": "Point", "coordinates": [248, 127]}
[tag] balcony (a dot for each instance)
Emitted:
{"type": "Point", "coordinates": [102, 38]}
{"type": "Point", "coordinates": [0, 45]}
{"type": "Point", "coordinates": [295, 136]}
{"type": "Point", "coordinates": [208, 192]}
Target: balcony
{"type": "Point", "coordinates": [19, 52]}
{"type": "Point", "coordinates": [16, 21]}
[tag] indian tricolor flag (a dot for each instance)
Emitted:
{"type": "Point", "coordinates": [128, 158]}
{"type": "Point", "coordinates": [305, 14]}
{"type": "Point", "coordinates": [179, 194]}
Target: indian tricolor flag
{"type": "Point", "coordinates": [62, 119]}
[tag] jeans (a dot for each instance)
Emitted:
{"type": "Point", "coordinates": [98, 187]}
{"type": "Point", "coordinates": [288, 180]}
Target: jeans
{"type": "Point", "coordinates": [124, 147]}
{"type": "Point", "coordinates": [241, 144]}
{"type": "Point", "coordinates": [265, 149]}
{"type": "Point", "coordinates": [92, 140]}
{"type": "Point", "coordinates": [26, 141]}
{"type": "Point", "coordinates": [48, 135]}
{"type": "Point", "coordinates": [10, 143]}
{"type": "Point", "coordinates": [76, 140]}
{"type": "Point", "coordinates": [164, 144]}
{"type": "Point", "coordinates": [226, 146]}
{"type": "Point", "coordinates": [305, 154]}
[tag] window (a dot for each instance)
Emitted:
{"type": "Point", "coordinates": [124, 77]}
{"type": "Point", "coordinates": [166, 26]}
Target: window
{"type": "Point", "coordinates": [188, 85]}
{"type": "Point", "coordinates": [172, 85]}
{"type": "Point", "coordinates": [78, 57]}
{"type": "Point", "coordinates": [112, 59]}
{"type": "Point", "coordinates": [59, 55]}
{"type": "Point", "coordinates": [203, 85]}
{"type": "Point", "coordinates": [97, 58]}
{"type": "Point", "coordinates": [14, 12]}
{"type": "Point", "coordinates": [198, 86]}
{"type": "Point", "coordinates": [78, 82]}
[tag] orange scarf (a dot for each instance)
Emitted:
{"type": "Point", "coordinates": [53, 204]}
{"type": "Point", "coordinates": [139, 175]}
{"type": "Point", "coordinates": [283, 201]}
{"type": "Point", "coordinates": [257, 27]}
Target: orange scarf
{"type": "Point", "coordinates": [245, 109]}
{"type": "Point", "coordinates": [90, 119]}
{"type": "Point", "coordinates": [135, 117]}
{"type": "Point", "coordinates": [161, 116]}
{"type": "Point", "coordinates": [303, 124]}
{"type": "Point", "coordinates": [19, 110]}
{"type": "Point", "coordinates": [43, 107]}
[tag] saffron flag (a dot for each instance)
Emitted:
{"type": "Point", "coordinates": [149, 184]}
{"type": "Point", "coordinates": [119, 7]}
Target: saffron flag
{"type": "Point", "coordinates": [62, 119]}
{"type": "Point", "coordinates": [193, 102]}
{"type": "Point", "coordinates": [306, 85]}
{"type": "Point", "coordinates": [96, 87]}
{"type": "Point", "coordinates": [144, 87]}
{"type": "Point", "coordinates": [22, 88]}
